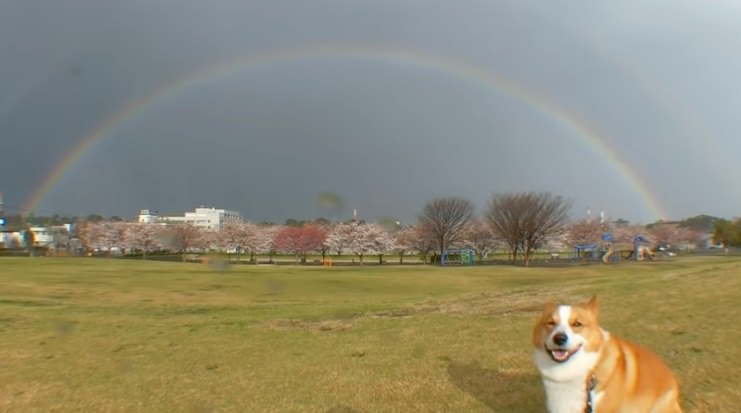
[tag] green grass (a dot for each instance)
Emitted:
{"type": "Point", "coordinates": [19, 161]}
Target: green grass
{"type": "Point", "coordinates": [108, 335]}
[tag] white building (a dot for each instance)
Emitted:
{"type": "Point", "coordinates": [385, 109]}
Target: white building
{"type": "Point", "coordinates": [208, 218]}
{"type": "Point", "coordinates": [147, 216]}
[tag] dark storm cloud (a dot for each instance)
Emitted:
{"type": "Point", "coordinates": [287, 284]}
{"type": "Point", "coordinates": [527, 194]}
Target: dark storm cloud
{"type": "Point", "coordinates": [658, 86]}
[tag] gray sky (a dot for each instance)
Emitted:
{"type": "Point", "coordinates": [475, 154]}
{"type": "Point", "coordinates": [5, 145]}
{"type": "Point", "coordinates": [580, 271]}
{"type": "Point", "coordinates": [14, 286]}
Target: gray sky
{"type": "Point", "coordinates": [463, 98]}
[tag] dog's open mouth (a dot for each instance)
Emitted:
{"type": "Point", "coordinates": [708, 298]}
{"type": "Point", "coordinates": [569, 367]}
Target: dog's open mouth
{"type": "Point", "coordinates": [562, 355]}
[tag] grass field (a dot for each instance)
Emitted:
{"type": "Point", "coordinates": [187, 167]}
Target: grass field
{"type": "Point", "coordinates": [108, 335]}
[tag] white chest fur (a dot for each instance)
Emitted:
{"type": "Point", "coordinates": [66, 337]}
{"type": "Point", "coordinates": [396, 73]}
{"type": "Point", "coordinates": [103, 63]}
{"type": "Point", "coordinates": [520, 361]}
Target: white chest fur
{"type": "Point", "coordinates": [566, 384]}
{"type": "Point", "coordinates": [565, 396]}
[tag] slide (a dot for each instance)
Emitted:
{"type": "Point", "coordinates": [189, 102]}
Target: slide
{"type": "Point", "coordinates": [610, 252]}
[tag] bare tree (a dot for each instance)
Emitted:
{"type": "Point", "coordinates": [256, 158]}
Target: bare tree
{"type": "Point", "coordinates": [526, 221]}
{"type": "Point", "coordinates": [446, 219]}
{"type": "Point", "coordinates": [506, 219]}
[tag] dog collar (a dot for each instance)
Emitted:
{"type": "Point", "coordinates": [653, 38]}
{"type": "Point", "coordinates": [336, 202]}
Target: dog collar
{"type": "Point", "coordinates": [590, 386]}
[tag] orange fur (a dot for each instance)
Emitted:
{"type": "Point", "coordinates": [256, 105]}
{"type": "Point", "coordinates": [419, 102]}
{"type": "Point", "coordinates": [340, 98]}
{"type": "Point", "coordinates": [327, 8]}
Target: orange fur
{"type": "Point", "coordinates": [628, 378]}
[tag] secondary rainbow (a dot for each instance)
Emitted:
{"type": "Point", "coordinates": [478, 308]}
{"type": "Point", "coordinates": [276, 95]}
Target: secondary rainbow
{"type": "Point", "coordinates": [456, 68]}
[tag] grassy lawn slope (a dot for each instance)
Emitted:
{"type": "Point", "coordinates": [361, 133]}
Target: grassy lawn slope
{"type": "Point", "coordinates": [108, 335]}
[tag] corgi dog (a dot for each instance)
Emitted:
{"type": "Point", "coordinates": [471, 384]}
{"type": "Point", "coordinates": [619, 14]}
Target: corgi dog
{"type": "Point", "coordinates": [586, 369]}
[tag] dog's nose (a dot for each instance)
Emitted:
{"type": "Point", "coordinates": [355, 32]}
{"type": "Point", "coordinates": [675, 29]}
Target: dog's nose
{"type": "Point", "coordinates": [560, 339]}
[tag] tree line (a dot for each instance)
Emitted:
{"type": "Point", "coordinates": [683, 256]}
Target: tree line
{"type": "Point", "coordinates": [518, 223]}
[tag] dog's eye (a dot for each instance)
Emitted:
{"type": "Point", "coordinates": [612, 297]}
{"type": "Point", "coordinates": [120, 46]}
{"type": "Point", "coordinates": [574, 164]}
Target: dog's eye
{"type": "Point", "coordinates": [551, 323]}
{"type": "Point", "coordinates": [577, 324]}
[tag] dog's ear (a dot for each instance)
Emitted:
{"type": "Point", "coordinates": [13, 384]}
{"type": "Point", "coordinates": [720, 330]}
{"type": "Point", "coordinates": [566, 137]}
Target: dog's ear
{"type": "Point", "coordinates": [593, 305]}
{"type": "Point", "coordinates": [549, 308]}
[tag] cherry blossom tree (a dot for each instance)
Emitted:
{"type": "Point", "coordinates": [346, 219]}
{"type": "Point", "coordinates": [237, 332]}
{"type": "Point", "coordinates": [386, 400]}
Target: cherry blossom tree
{"type": "Point", "coordinates": [116, 235]}
{"type": "Point", "coordinates": [339, 237]}
{"type": "Point", "coordinates": [691, 238]}
{"type": "Point", "coordinates": [405, 241]}
{"type": "Point", "coordinates": [300, 240]}
{"type": "Point", "coordinates": [671, 234]}
{"type": "Point", "coordinates": [479, 236]}
{"type": "Point", "coordinates": [184, 237]}
{"type": "Point", "coordinates": [381, 242]}
{"type": "Point", "coordinates": [238, 236]}
{"type": "Point", "coordinates": [664, 234]}
{"type": "Point", "coordinates": [360, 239]}
{"type": "Point", "coordinates": [102, 235]}
{"type": "Point", "coordinates": [326, 226]}
{"type": "Point", "coordinates": [144, 237]}
{"type": "Point", "coordinates": [585, 231]}
{"type": "Point", "coordinates": [264, 241]}
{"type": "Point", "coordinates": [86, 232]}
{"type": "Point", "coordinates": [416, 238]}
{"type": "Point", "coordinates": [624, 234]}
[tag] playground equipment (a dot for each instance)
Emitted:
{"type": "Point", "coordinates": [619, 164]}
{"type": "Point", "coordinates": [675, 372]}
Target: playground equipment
{"type": "Point", "coordinates": [641, 251]}
{"type": "Point", "coordinates": [609, 249]}
{"type": "Point", "coordinates": [588, 252]}
{"type": "Point", "coordinates": [609, 252]}
{"type": "Point", "coordinates": [464, 256]}
{"type": "Point", "coordinates": [604, 252]}
{"type": "Point", "coordinates": [610, 255]}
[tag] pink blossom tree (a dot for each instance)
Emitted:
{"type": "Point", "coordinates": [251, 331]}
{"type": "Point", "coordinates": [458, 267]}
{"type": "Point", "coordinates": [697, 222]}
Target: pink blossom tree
{"type": "Point", "coordinates": [184, 237]}
{"type": "Point", "coordinates": [480, 237]}
{"type": "Point", "coordinates": [300, 240]}
{"type": "Point", "coordinates": [671, 234]}
{"type": "Point", "coordinates": [264, 240]}
{"type": "Point", "coordinates": [379, 240]}
{"type": "Point", "coordinates": [584, 231]}
{"type": "Point", "coordinates": [87, 232]}
{"type": "Point", "coordinates": [339, 237]}
{"type": "Point", "coordinates": [624, 234]}
{"type": "Point", "coordinates": [238, 236]}
{"type": "Point", "coordinates": [103, 236]}
{"type": "Point", "coordinates": [144, 237]}
{"type": "Point", "coordinates": [405, 242]}
{"type": "Point", "coordinates": [417, 238]}
{"type": "Point", "coordinates": [360, 239]}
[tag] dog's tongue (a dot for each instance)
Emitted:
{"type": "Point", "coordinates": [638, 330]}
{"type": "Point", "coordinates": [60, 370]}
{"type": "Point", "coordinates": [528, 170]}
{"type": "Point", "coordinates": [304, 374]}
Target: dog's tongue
{"type": "Point", "coordinates": [560, 355]}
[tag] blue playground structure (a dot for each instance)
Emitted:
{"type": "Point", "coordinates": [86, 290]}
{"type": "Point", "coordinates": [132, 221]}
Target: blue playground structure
{"type": "Point", "coordinates": [587, 252]}
{"type": "Point", "coordinates": [640, 240]}
{"type": "Point", "coordinates": [641, 243]}
{"type": "Point", "coordinates": [595, 252]}
{"type": "Point", "coordinates": [463, 256]}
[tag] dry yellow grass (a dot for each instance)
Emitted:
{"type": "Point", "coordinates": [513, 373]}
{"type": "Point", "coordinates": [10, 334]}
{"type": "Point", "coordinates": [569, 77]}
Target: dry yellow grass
{"type": "Point", "coordinates": [99, 335]}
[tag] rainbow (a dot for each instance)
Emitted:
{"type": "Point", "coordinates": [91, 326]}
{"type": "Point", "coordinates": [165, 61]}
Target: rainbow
{"type": "Point", "coordinates": [456, 68]}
